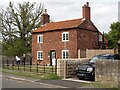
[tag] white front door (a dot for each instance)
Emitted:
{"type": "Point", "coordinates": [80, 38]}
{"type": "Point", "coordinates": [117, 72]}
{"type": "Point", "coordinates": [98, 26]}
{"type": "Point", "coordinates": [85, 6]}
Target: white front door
{"type": "Point", "coordinates": [53, 58]}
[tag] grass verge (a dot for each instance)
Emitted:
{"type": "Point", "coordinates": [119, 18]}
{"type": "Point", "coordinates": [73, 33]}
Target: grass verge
{"type": "Point", "coordinates": [32, 75]}
{"type": "Point", "coordinates": [98, 85]}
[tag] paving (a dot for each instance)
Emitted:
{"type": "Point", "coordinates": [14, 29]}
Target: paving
{"type": "Point", "coordinates": [64, 83]}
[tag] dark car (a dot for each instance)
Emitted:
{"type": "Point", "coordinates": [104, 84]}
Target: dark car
{"type": "Point", "coordinates": [87, 70]}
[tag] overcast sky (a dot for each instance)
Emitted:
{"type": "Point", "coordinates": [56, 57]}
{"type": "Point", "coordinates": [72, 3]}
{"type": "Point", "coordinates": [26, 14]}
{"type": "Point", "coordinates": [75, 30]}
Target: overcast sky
{"type": "Point", "coordinates": [103, 12]}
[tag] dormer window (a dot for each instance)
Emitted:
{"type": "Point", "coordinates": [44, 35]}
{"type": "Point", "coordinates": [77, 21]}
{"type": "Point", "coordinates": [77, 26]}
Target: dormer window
{"type": "Point", "coordinates": [65, 36]}
{"type": "Point", "coordinates": [40, 38]}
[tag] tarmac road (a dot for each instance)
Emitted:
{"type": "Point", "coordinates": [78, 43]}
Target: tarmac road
{"type": "Point", "coordinates": [12, 81]}
{"type": "Point", "coordinates": [15, 83]}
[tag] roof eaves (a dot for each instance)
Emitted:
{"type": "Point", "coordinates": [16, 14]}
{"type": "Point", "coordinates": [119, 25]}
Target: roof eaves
{"type": "Point", "coordinates": [55, 30]}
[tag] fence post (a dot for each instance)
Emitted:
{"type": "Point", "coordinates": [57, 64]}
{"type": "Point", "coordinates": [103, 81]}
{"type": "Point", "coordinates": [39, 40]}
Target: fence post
{"type": "Point", "coordinates": [18, 68]}
{"type": "Point", "coordinates": [3, 63]}
{"type": "Point", "coordinates": [44, 67]}
{"type": "Point", "coordinates": [56, 67]}
{"type": "Point", "coordinates": [24, 65]}
{"type": "Point", "coordinates": [30, 65]}
{"type": "Point", "coordinates": [7, 64]}
{"type": "Point", "coordinates": [65, 69]}
{"type": "Point", "coordinates": [52, 68]}
{"type": "Point", "coordinates": [37, 67]}
{"type": "Point", "coordinates": [12, 64]}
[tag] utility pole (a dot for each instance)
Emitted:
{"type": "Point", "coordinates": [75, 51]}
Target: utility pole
{"type": "Point", "coordinates": [119, 11]}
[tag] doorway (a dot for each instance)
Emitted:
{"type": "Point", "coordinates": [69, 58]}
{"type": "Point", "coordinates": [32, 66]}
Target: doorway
{"type": "Point", "coordinates": [52, 58]}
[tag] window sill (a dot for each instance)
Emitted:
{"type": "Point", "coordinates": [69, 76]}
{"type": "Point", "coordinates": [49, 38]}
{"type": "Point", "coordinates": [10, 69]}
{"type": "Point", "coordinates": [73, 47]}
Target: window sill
{"type": "Point", "coordinates": [66, 41]}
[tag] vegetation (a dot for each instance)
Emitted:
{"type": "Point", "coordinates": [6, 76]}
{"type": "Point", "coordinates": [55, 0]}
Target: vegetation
{"type": "Point", "coordinates": [18, 21]}
{"type": "Point", "coordinates": [113, 35]}
{"type": "Point", "coordinates": [98, 85]}
{"type": "Point", "coordinates": [32, 75]}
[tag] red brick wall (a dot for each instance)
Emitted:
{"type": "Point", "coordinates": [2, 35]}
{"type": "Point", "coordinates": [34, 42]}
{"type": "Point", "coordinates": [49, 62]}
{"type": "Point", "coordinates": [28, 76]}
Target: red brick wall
{"type": "Point", "coordinates": [87, 39]}
{"type": "Point", "coordinates": [78, 39]}
{"type": "Point", "coordinates": [53, 41]}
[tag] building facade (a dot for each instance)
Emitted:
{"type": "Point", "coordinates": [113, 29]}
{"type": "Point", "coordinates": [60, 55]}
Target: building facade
{"type": "Point", "coordinates": [63, 39]}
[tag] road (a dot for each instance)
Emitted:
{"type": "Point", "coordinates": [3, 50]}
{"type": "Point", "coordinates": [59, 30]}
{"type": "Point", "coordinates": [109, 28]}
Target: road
{"type": "Point", "coordinates": [10, 83]}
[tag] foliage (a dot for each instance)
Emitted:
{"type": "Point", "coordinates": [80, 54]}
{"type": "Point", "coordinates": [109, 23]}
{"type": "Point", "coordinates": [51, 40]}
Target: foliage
{"type": "Point", "coordinates": [50, 76]}
{"type": "Point", "coordinates": [17, 25]}
{"type": "Point", "coordinates": [32, 75]}
{"type": "Point", "coordinates": [18, 48]}
{"type": "Point", "coordinates": [113, 35]}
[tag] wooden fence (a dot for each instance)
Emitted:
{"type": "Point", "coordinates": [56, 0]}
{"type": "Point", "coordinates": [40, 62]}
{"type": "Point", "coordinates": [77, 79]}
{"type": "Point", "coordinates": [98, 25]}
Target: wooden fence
{"type": "Point", "coordinates": [66, 68]}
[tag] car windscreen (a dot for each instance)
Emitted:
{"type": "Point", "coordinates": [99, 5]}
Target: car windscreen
{"type": "Point", "coordinates": [93, 60]}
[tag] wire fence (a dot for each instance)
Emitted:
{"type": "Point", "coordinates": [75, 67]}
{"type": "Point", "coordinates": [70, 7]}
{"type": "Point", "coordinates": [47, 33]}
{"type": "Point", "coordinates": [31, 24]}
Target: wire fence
{"type": "Point", "coordinates": [28, 67]}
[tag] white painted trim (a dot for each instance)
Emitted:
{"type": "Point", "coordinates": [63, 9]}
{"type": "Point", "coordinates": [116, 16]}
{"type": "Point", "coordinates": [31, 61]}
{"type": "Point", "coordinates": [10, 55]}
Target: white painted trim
{"type": "Point", "coordinates": [65, 53]}
{"type": "Point", "coordinates": [41, 36]}
{"type": "Point", "coordinates": [65, 36]}
{"type": "Point", "coordinates": [42, 55]}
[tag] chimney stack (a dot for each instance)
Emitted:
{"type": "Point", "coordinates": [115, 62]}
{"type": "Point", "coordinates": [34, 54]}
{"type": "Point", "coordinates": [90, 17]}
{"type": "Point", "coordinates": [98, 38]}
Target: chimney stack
{"type": "Point", "coordinates": [86, 11]}
{"type": "Point", "coordinates": [45, 18]}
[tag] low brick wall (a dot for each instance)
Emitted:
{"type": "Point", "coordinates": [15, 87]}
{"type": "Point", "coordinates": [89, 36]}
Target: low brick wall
{"type": "Point", "coordinates": [108, 72]}
{"type": "Point", "coordinates": [66, 68]}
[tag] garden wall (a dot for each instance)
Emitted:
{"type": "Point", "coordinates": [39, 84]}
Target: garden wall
{"type": "Point", "coordinates": [91, 52]}
{"type": "Point", "coordinates": [108, 72]}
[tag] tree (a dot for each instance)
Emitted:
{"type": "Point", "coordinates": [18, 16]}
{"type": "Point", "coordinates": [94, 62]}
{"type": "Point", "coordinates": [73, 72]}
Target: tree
{"type": "Point", "coordinates": [113, 35]}
{"type": "Point", "coordinates": [18, 23]}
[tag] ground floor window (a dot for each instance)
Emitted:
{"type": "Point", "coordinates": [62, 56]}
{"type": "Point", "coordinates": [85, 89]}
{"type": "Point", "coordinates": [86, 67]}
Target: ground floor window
{"type": "Point", "coordinates": [65, 54]}
{"type": "Point", "coordinates": [39, 55]}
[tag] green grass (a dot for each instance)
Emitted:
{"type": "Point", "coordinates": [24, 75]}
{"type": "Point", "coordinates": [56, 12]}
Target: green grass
{"type": "Point", "coordinates": [40, 76]}
{"type": "Point", "coordinates": [98, 85]}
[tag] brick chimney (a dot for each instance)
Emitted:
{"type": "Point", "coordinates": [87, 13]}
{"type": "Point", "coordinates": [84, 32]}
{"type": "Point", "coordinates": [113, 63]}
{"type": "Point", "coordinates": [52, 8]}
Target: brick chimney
{"type": "Point", "coordinates": [86, 11]}
{"type": "Point", "coordinates": [45, 18]}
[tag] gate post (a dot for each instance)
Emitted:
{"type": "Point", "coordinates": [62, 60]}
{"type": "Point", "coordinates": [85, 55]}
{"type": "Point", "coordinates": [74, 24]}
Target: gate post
{"type": "Point", "coordinates": [65, 69]}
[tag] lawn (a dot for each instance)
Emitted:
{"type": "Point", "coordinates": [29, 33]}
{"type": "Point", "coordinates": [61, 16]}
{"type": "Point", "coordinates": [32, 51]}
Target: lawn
{"type": "Point", "coordinates": [33, 75]}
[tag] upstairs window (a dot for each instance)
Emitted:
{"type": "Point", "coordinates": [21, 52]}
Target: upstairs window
{"type": "Point", "coordinates": [40, 39]}
{"type": "Point", "coordinates": [40, 55]}
{"type": "Point", "coordinates": [65, 54]}
{"type": "Point", "coordinates": [100, 38]}
{"type": "Point", "coordinates": [65, 36]}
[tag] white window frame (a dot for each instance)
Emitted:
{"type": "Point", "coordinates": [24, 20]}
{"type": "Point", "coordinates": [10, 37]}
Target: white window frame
{"type": "Point", "coordinates": [40, 38]}
{"type": "Point", "coordinates": [65, 33]}
{"type": "Point", "coordinates": [100, 38]}
{"type": "Point", "coordinates": [41, 56]}
{"type": "Point", "coordinates": [66, 51]}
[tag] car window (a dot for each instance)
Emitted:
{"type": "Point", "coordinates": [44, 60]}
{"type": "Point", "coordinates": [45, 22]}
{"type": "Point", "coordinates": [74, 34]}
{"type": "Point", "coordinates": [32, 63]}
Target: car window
{"type": "Point", "coordinates": [111, 57]}
{"type": "Point", "coordinates": [104, 57]}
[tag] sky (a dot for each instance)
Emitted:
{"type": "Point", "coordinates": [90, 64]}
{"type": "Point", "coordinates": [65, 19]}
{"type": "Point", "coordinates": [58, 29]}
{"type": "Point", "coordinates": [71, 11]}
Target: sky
{"type": "Point", "coordinates": [103, 12]}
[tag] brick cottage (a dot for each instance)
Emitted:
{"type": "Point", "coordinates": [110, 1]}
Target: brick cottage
{"type": "Point", "coordinates": [63, 39]}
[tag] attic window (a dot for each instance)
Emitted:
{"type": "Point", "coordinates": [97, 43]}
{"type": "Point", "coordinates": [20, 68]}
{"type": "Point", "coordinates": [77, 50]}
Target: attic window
{"type": "Point", "coordinates": [65, 36]}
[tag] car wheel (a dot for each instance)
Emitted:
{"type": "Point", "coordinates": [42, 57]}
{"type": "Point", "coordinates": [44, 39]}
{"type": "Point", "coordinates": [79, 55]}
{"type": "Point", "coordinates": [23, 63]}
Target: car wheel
{"type": "Point", "coordinates": [91, 78]}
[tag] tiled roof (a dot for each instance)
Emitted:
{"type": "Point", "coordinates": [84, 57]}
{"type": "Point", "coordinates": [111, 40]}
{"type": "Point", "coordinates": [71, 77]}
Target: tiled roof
{"type": "Point", "coordinates": [60, 25]}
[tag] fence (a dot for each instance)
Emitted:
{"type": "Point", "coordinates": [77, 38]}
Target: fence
{"type": "Point", "coordinates": [38, 68]}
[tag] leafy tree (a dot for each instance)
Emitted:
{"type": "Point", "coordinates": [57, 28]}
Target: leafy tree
{"type": "Point", "coordinates": [18, 23]}
{"type": "Point", "coordinates": [113, 35]}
